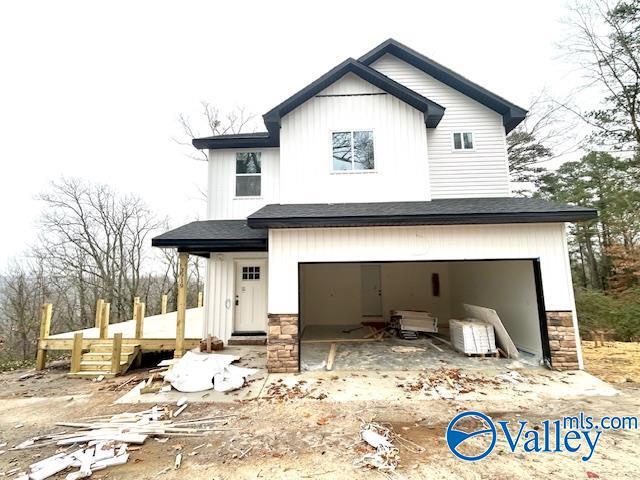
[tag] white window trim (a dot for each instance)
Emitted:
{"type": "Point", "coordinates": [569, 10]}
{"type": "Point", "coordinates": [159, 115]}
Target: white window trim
{"type": "Point", "coordinates": [352, 172]}
{"type": "Point", "coordinates": [462, 132]}
{"type": "Point", "coordinates": [235, 175]}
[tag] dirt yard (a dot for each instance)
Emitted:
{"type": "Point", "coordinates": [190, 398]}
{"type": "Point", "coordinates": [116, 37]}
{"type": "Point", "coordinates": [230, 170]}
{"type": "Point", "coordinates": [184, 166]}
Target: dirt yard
{"type": "Point", "coordinates": [307, 426]}
{"type": "Point", "coordinates": [615, 362]}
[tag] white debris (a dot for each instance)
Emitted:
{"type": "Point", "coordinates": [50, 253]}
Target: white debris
{"type": "Point", "coordinates": [181, 401]}
{"type": "Point", "coordinates": [196, 372]}
{"type": "Point", "coordinates": [386, 456]}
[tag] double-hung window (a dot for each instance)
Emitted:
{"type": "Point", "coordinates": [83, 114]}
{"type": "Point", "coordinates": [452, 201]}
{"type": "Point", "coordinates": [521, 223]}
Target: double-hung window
{"type": "Point", "coordinates": [352, 151]}
{"type": "Point", "coordinates": [463, 141]}
{"type": "Point", "coordinates": [248, 174]}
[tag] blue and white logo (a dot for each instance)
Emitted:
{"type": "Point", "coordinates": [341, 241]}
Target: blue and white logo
{"type": "Point", "coordinates": [477, 426]}
{"type": "Point", "coordinates": [472, 436]}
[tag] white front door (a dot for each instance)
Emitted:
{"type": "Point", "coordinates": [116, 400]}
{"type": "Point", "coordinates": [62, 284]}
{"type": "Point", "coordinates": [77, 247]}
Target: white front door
{"type": "Point", "coordinates": [251, 296]}
{"type": "Point", "coordinates": [371, 290]}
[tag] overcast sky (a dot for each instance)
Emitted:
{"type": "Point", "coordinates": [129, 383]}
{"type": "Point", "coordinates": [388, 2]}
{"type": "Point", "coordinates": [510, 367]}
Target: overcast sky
{"type": "Point", "coordinates": [92, 89]}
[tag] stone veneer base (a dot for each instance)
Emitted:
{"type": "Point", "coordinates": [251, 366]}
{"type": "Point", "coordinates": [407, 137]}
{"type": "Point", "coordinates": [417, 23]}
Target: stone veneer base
{"type": "Point", "coordinates": [283, 355]}
{"type": "Point", "coordinates": [562, 341]}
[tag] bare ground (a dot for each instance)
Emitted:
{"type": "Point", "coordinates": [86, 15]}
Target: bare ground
{"type": "Point", "coordinates": [615, 362]}
{"type": "Point", "coordinates": [290, 437]}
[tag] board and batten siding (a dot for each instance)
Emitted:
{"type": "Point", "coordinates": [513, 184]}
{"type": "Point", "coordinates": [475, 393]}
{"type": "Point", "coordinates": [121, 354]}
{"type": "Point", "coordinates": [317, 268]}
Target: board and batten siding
{"type": "Point", "coordinates": [222, 201]}
{"type": "Point", "coordinates": [400, 147]}
{"type": "Point", "coordinates": [482, 172]}
{"type": "Point", "coordinates": [219, 303]}
{"type": "Point", "coordinates": [289, 247]}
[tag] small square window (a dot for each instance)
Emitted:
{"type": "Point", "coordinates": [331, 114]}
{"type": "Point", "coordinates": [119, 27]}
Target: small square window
{"type": "Point", "coordinates": [250, 273]}
{"type": "Point", "coordinates": [463, 141]}
{"type": "Point", "coordinates": [352, 150]}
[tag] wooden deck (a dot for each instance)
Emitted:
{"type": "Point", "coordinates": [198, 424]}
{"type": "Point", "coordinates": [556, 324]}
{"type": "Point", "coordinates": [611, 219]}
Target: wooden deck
{"type": "Point", "coordinates": [158, 332]}
{"type": "Point", "coordinates": [110, 349]}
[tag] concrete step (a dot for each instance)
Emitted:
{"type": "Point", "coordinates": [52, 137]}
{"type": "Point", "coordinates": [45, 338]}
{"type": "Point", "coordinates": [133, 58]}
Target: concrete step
{"type": "Point", "coordinates": [248, 340]}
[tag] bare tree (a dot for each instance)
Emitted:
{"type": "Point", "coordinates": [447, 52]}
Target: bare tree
{"type": "Point", "coordinates": [96, 240]}
{"type": "Point", "coordinates": [544, 135]}
{"type": "Point", "coordinates": [605, 44]}
{"type": "Point", "coordinates": [210, 121]}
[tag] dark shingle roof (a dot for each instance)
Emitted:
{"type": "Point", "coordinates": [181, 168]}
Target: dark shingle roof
{"type": "Point", "coordinates": [436, 212]}
{"type": "Point", "coordinates": [214, 236]}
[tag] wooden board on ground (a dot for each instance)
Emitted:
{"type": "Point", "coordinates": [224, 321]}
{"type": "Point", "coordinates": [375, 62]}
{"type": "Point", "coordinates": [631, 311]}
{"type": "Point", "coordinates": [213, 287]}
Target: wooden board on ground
{"type": "Point", "coordinates": [332, 356]}
{"type": "Point", "coordinates": [490, 316]}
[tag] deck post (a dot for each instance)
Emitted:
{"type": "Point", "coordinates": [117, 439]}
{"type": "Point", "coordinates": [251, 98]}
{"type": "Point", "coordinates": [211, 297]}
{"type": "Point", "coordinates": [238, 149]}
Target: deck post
{"type": "Point", "coordinates": [99, 305]}
{"type": "Point", "coordinates": [76, 352]}
{"type": "Point", "coordinates": [45, 326]}
{"type": "Point", "coordinates": [138, 315]}
{"type": "Point", "coordinates": [115, 353]}
{"type": "Point", "coordinates": [183, 259]}
{"type": "Point", "coordinates": [200, 299]}
{"type": "Point", "coordinates": [163, 304]}
{"type": "Point", "coordinates": [104, 320]}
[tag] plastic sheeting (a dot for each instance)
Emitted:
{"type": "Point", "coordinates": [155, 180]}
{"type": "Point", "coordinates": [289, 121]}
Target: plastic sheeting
{"type": "Point", "coordinates": [196, 372]}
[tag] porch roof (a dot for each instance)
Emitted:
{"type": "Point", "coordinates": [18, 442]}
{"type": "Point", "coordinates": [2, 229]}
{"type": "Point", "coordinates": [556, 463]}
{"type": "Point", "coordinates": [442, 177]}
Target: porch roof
{"type": "Point", "coordinates": [203, 237]}
{"type": "Point", "coordinates": [450, 211]}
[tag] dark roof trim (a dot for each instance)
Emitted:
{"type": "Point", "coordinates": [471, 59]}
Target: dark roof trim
{"type": "Point", "coordinates": [244, 140]}
{"type": "Point", "coordinates": [512, 114]}
{"type": "Point", "coordinates": [432, 111]}
{"type": "Point", "coordinates": [398, 220]}
{"type": "Point", "coordinates": [205, 236]}
{"type": "Point", "coordinates": [436, 212]}
{"type": "Point", "coordinates": [187, 245]}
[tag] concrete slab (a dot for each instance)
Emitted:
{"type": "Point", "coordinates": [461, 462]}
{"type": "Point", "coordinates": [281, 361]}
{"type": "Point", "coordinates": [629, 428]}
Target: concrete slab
{"type": "Point", "coordinates": [427, 354]}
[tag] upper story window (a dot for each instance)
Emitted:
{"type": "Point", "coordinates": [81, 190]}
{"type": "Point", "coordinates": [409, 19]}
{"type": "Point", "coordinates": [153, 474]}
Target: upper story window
{"type": "Point", "coordinates": [248, 174]}
{"type": "Point", "coordinates": [463, 141]}
{"type": "Point", "coordinates": [352, 151]}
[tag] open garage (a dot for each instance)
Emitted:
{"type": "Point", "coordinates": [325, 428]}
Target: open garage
{"type": "Point", "coordinates": [343, 305]}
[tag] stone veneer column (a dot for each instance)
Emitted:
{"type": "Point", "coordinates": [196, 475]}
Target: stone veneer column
{"type": "Point", "coordinates": [283, 355]}
{"type": "Point", "coordinates": [562, 341]}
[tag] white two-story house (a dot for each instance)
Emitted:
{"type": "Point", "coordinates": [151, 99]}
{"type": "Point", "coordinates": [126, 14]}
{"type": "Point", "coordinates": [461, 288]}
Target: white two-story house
{"type": "Point", "coordinates": [381, 185]}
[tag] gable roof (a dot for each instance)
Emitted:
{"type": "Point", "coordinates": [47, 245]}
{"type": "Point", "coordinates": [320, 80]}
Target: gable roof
{"type": "Point", "coordinates": [512, 114]}
{"type": "Point", "coordinates": [446, 211]}
{"type": "Point", "coordinates": [432, 111]}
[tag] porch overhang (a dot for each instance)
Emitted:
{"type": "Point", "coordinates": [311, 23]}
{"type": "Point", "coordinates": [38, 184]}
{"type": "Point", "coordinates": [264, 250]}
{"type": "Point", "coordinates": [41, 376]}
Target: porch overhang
{"type": "Point", "coordinates": [451, 211]}
{"type": "Point", "coordinates": [209, 236]}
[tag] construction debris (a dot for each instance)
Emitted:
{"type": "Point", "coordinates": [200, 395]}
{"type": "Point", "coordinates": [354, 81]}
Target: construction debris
{"type": "Point", "coordinates": [108, 440]}
{"type": "Point", "coordinates": [196, 372]}
{"type": "Point", "coordinates": [414, 321]}
{"type": "Point", "coordinates": [210, 344]}
{"type": "Point", "coordinates": [385, 456]}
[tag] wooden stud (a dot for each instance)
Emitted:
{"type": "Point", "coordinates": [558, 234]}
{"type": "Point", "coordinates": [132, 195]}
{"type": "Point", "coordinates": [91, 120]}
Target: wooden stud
{"type": "Point", "coordinates": [45, 327]}
{"type": "Point", "coordinates": [76, 352]}
{"type": "Point", "coordinates": [136, 301]}
{"type": "Point", "coordinates": [115, 353]}
{"type": "Point", "coordinates": [99, 304]}
{"type": "Point", "coordinates": [138, 315]}
{"type": "Point", "coordinates": [163, 304]}
{"type": "Point", "coordinates": [200, 299]}
{"type": "Point", "coordinates": [332, 356]}
{"type": "Point", "coordinates": [183, 259]}
{"type": "Point", "coordinates": [104, 320]}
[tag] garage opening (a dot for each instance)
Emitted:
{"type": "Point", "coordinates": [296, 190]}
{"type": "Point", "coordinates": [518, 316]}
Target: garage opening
{"type": "Point", "coordinates": [372, 315]}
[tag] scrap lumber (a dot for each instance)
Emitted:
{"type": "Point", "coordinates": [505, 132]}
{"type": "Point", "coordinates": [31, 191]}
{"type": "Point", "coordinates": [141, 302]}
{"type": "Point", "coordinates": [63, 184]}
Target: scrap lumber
{"type": "Point", "coordinates": [332, 356]}
{"type": "Point", "coordinates": [211, 344]}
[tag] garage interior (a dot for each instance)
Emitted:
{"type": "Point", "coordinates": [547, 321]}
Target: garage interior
{"type": "Point", "coordinates": [336, 298]}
